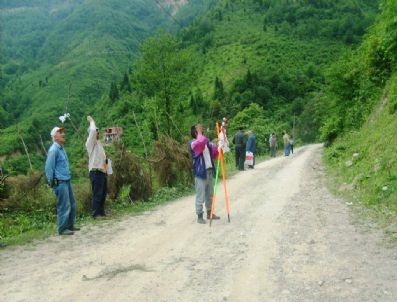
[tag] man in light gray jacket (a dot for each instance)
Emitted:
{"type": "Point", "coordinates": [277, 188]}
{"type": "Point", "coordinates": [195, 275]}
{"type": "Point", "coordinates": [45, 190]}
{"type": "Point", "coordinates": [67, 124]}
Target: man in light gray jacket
{"type": "Point", "coordinates": [97, 166]}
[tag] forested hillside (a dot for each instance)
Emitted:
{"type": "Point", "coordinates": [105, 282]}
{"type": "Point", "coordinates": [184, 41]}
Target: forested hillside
{"type": "Point", "coordinates": [260, 63]}
{"type": "Point", "coordinates": [359, 109]}
{"type": "Point", "coordinates": [63, 55]}
{"type": "Point", "coordinates": [274, 54]}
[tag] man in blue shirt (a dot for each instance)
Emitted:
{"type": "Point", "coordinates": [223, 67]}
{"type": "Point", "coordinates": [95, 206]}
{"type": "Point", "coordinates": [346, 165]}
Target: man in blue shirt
{"type": "Point", "coordinates": [58, 175]}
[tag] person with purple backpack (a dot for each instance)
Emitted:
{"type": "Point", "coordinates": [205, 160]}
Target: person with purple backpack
{"type": "Point", "coordinates": [203, 153]}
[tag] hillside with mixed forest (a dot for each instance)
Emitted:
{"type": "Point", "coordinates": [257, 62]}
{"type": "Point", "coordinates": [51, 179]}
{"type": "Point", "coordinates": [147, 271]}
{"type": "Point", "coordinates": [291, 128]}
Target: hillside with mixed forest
{"type": "Point", "coordinates": [260, 63]}
{"type": "Point", "coordinates": [64, 55]}
{"type": "Point", "coordinates": [274, 54]}
{"type": "Point", "coordinates": [359, 105]}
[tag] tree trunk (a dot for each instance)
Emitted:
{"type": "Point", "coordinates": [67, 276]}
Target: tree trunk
{"type": "Point", "coordinates": [26, 149]}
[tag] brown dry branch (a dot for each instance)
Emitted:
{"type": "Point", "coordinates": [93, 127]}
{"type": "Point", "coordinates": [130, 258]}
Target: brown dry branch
{"type": "Point", "coordinates": [25, 147]}
{"type": "Point", "coordinates": [42, 145]}
{"type": "Point", "coordinates": [3, 188]}
{"type": "Point", "coordinates": [128, 170]}
{"type": "Point", "coordinates": [173, 164]}
{"type": "Point", "coordinates": [26, 192]}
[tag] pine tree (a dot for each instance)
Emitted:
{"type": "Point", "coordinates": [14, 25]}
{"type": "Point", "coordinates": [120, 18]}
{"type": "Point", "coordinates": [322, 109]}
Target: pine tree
{"type": "Point", "coordinates": [114, 92]}
{"type": "Point", "coordinates": [125, 84]}
{"type": "Point", "coordinates": [219, 92]}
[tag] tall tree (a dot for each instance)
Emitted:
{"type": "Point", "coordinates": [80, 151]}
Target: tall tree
{"type": "Point", "coordinates": [114, 92]}
{"type": "Point", "coordinates": [165, 72]}
{"type": "Point", "coordinates": [219, 91]}
{"type": "Point", "coordinates": [125, 84]}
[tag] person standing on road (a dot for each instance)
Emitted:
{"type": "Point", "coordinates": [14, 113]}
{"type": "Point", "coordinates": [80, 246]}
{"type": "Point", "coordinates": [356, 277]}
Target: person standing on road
{"type": "Point", "coordinates": [58, 175]}
{"type": "Point", "coordinates": [273, 144]}
{"type": "Point", "coordinates": [287, 146]}
{"type": "Point", "coordinates": [251, 147]}
{"type": "Point", "coordinates": [291, 143]}
{"type": "Point", "coordinates": [98, 171]}
{"type": "Point", "coordinates": [204, 153]}
{"type": "Point", "coordinates": [238, 140]}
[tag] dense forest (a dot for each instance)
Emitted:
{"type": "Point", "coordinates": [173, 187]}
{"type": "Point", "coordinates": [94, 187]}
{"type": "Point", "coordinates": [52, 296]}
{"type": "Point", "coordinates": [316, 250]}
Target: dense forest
{"type": "Point", "coordinates": [58, 55]}
{"type": "Point", "coordinates": [317, 69]}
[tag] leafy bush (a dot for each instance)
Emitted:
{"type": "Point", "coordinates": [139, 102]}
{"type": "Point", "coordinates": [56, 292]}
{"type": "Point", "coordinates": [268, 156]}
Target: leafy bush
{"type": "Point", "coordinates": [331, 130]}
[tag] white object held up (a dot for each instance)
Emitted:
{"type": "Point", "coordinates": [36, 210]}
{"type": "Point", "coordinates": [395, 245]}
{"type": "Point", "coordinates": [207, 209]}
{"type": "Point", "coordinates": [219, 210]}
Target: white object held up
{"type": "Point", "coordinates": [63, 118]}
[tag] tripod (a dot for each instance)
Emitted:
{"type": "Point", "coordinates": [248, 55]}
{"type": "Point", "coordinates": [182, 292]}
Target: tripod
{"type": "Point", "coordinates": [220, 166]}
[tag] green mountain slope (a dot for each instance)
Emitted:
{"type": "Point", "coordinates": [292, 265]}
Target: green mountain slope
{"type": "Point", "coordinates": [261, 62]}
{"type": "Point", "coordinates": [361, 116]}
{"type": "Point", "coordinates": [274, 53]}
{"type": "Point", "coordinates": [59, 56]}
{"type": "Point", "coordinates": [269, 53]}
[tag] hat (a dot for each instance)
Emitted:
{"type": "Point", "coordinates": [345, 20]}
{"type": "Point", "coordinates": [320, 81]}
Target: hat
{"type": "Point", "coordinates": [55, 130]}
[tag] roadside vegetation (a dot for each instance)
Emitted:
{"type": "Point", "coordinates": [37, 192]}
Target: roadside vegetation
{"type": "Point", "coordinates": [361, 118]}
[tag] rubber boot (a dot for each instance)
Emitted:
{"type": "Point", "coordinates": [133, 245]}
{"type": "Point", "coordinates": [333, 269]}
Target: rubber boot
{"type": "Point", "coordinates": [200, 219]}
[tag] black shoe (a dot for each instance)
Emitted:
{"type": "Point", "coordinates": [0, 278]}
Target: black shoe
{"type": "Point", "coordinates": [66, 232]}
{"type": "Point", "coordinates": [74, 229]}
{"type": "Point", "coordinates": [200, 219]}
{"type": "Point", "coordinates": [214, 217]}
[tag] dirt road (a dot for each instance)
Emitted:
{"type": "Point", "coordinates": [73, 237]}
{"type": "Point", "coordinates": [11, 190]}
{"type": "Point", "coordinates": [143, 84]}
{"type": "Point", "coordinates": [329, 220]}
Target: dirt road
{"type": "Point", "coordinates": [289, 240]}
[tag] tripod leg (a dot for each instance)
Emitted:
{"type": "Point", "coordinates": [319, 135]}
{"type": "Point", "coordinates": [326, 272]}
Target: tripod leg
{"type": "Point", "coordinates": [225, 186]}
{"type": "Point", "coordinates": [215, 189]}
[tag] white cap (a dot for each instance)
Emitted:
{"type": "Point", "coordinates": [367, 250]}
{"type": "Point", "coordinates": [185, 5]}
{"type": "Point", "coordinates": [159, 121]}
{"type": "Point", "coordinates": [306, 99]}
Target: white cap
{"type": "Point", "coordinates": [55, 130]}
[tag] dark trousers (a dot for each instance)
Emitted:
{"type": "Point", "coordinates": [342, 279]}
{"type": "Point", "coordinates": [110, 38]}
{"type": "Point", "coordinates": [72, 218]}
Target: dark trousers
{"type": "Point", "coordinates": [99, 190]}
{"type": "Point", "coordinates": [274, 151]}
{"type": "Point", "coordinates": [240, 157]}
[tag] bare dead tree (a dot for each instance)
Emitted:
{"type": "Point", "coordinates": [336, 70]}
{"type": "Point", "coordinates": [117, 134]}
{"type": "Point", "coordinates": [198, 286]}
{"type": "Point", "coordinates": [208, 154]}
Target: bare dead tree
{"type": "Point", "coordinates": [42, 145]}
{"type": "Point", "coordinates": [140, 134]}
{"type": "Point", "coordinates": [173, 123]}
{"type": "Point", "coordinates": [25, 147]}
